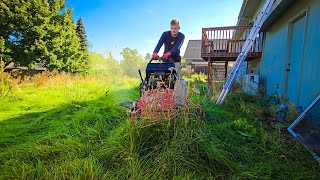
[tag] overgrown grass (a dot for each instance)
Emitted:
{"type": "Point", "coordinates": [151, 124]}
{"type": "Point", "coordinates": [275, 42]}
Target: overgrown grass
{"type": "Point", "coordinates": [67, 127]}
{"type": "Point", "coordinates": [52, 129]}
{"type": "Point", "coordinates": [256, 140]}
{"type": "Point", "coordinates": [6, 85]}
{"type": "Point", "coordinates": [175, 148]}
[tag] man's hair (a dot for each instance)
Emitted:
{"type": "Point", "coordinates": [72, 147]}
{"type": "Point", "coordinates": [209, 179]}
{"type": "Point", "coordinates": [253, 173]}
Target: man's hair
{"type": "Point", "coordinates": [174, 22]}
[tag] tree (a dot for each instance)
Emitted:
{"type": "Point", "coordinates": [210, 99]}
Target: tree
{"type": "Point", "coordinates": [80, 30]}
{"type": "Point", "coordinates": [4, 52]}
{"type": "Point", "coordinates": [104, 67]}
{"type": "Point", "coordinates": [131, 62]}
{"type": "Point", "coordinates": [41, 31]}
{"type": "Point", "coordinates": [148, 57]}
{"type": "Point", "coordinates": [82, 35]}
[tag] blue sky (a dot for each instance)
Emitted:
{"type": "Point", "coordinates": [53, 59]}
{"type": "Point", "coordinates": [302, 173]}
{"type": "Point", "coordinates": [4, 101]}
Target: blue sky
{"type": "Point", "coordinates": [112, 25]}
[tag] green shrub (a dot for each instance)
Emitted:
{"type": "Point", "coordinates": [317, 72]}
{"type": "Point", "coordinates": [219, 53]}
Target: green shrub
{"type": "Point", "coordinates": [196, 78]}
{"type": "Point", "coordinates": [6, 86]}
{"type": "Point", "coordinates": [241, 124]}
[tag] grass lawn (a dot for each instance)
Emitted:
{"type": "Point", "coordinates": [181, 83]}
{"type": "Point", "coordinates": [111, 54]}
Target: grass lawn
{"type": "Point", "coordinates": [67, 127]}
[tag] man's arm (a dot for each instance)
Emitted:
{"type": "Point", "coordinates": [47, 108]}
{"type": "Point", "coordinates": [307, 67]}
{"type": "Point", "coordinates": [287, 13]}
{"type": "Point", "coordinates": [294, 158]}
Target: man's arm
{"type": "Point", "coordinates": [177, 47]}
{"type": "Point", "coordinates": [160, 43]}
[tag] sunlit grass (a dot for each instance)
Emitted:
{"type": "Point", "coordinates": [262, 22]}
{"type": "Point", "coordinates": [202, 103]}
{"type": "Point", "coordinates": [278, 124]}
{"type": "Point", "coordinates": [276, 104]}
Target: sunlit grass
{"type": "Point", "coordinates": [71, 127]}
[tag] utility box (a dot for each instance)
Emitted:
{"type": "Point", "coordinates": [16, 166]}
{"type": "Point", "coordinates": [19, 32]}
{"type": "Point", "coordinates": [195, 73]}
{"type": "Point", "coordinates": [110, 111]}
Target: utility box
{"type": "Point", "coordinates": [251, 84]}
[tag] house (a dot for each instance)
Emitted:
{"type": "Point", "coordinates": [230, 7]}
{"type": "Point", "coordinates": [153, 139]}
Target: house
{"type": "Point", "coordinates": [224, 44]}
{"type": "Point", "coordinates": [285, 55]}
{"type": "Point", "coordinates": [37, 67]}
{"type": "Point", "coordinates": [23, 71]}
{"type": "Point", "coordinates": [291, 57]}
{"type": "Point", "coordinates": [290, 61]}
{"type": "Point", "coordinates": [193, 57]}
{"type": "Point", "coordinates": [284, 59]}
{"type": "Point", "coordinates": [199, 65]}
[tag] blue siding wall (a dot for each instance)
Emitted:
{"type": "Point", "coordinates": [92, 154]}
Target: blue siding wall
{"type": "Point", "coordinates": [272, 61]}
{"type": "Point", "coordinates": [296, 37]}
{"type": "Point", "coordinates": [241, 72]}
{"type": "Point", "coordinates": [277, 50]}
{"type": "Point", "coordinates": [310, 84]}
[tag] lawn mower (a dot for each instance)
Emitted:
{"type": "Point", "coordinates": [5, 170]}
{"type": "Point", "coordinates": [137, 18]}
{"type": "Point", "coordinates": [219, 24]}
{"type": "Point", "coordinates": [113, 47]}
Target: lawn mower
{"type": "Point", "coordinates": [161, 74]}
{"type": "Point", "coordinates": [160, 92]}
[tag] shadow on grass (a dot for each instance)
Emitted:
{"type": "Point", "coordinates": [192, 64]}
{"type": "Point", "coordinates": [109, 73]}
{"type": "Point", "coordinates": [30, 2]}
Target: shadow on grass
{"type": "Point", "coordinates": [47, 140]}
{"type": "Point", "coordinates": [93, 140]}
{"type": "Point", "coordinates": [89, 140]}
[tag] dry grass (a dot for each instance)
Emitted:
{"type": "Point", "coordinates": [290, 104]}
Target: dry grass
{"type": "Point", "coordinates": [160, 105]}
{"type": "Point", "coordinates": [6, 83]}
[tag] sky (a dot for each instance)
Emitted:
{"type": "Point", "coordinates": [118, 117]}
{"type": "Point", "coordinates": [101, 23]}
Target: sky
{"type": "Point", "coordinates": [112, 25]}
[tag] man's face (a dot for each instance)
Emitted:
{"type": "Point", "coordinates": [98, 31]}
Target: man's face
{"type": "Point", "coordinates": [174, 30]}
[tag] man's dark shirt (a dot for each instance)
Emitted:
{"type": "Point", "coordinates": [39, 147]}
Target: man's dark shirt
{"type": "Point", "coordinates": [172, 44]}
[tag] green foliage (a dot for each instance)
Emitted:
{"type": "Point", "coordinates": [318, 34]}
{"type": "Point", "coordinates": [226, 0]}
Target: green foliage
{"type": "Point", "coordinates": [2, 47]}
{"type": "Point", "coordinates": [5, 82]}
{"type": "Point", "coordinates": [242, 125]}
{"type": "Point", "coordinates": [183, 62]}
{"type": "Point", "coordinates": [82, 35]}
{"type": "Point", "coordinates": [106, 67]}
{"type": "Point", "coordinates": [4, 51]}
{"type": "Point", "coordinates": [251, 105]}
{"type": "Point", "coordinates": [148, 57]}
{"type": "Point", "coordinates": [255, 140]}
{"type": "Point", "coordinates": [80, 30]}
{"type": "Point", "coordinates": [132, 62]}
{"type": "Point", "coordinates": [41, 31]}
{"type": "Point", "coordinates": [58, 130]}
{"type": "Point", "coordinates": [201, 77]}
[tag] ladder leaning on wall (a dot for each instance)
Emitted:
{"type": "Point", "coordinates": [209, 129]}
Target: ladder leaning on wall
{"type": "Point", "coordinates": [245, 49]}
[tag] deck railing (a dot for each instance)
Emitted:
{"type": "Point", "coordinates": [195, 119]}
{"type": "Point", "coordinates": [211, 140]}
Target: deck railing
{"type": "Point", "coordinates": [221, 43]}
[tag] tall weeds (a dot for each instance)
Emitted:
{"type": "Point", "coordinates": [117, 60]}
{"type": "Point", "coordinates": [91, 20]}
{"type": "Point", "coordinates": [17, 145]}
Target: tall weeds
{"type": "Point", "coordinates": [6, 85]}
{"type": "Point", "coordinates": [80, 132]}
{"type": "Point", "coordinates": [179, 147]}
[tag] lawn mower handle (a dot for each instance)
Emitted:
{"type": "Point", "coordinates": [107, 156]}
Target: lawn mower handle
{"type": "Point", "coordinates": [161, 59]}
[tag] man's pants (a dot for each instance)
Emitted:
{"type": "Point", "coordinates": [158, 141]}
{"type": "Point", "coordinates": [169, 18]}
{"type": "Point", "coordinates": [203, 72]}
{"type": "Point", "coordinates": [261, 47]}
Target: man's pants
{"type": "Point", "coordinates": [177, 66]}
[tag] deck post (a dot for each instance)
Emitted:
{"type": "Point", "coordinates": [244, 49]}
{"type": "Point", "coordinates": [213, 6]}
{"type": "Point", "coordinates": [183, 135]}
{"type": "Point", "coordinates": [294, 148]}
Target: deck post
{"type": "Point", "coordinates": [210, 74]}
{"type": "Point", "coordinates": [226, 69]}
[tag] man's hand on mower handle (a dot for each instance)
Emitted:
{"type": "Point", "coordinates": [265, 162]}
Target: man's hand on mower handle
{"type": "Point", "coordinates": [155, 55]}
{"type": "Point", "coordinates": [166, 55]}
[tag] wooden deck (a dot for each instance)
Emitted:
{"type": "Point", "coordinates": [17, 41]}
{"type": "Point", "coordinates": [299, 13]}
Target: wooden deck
{"type": "Point", "coordinates": [225, 43]}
